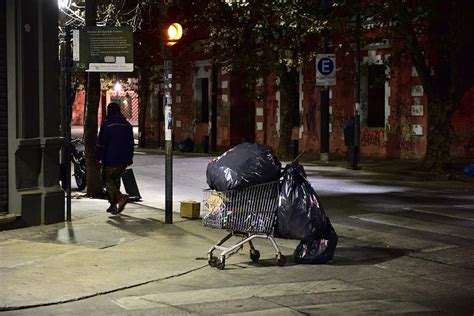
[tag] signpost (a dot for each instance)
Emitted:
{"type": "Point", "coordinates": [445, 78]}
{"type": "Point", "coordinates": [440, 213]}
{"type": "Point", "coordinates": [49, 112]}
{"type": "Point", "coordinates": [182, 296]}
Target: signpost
{"type": "Point", "coordinates": [325, 76]}
{"type": "Point", "coordinates": [67, 114]}
{"type": "Point", "coordinates": [168, 67]}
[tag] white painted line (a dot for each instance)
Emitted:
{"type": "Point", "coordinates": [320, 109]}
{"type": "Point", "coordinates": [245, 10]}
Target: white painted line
{"type": "Point", "coordinates": [410, 223]}
{"type": "Point", "coordinates": [159, 300]}
{"type": "Point", "coordinates": [470, 206]}
{"type": "Point", "coordinates": [453, 213]}
{"type": "Point", "coordinates": [389, 306]}
{"type": "Point", "coordinates": [390, 240]}
{"type": "Point", "coordinates": [439, 248]}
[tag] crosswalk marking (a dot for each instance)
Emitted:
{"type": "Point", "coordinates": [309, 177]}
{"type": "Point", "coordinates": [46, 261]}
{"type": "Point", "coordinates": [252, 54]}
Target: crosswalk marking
{"type": "Point", "coordinates": [410, 223]}
{"type": "Point", "coordinates": [453, 213]}
{"type": "Point", "coordinates": [363, 307]}
{"type": "Point", "coordinates": [469, 206]}
{"type": "Point", "coordinates": [159, 300]}
{"type": "Point", "coordinates": [390, 240]}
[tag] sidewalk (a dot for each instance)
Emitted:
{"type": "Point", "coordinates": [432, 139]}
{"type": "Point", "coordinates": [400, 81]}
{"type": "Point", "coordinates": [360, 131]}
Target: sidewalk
{"type": "Point", "coordinates": [96, 253]}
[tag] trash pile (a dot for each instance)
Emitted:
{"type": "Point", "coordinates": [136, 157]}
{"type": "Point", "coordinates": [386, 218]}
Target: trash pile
{"type": "Point", "coordinates": [301, 216]}
{"type": "Point", "coordinates": [299, 213]}
{"type": "Point", "coordinates": [243, 166]}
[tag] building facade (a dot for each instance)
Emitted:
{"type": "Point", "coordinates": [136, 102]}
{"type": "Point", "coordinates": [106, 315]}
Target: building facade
{"type": "Point", "coordinates": [394, 107]}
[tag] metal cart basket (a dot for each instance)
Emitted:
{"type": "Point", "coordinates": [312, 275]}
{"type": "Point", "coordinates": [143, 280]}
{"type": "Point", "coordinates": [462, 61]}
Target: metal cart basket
{"type": "Point", "coordinates": [248, 213]}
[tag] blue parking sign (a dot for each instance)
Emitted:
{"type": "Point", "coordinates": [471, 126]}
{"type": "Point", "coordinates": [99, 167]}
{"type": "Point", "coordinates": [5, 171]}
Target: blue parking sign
{"type": "Point", "coordinates": [325, 69]}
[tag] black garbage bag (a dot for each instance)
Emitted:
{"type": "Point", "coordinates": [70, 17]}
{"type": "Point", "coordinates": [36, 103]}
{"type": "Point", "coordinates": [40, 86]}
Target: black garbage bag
{"type": "Point", "coordinates": [318, 251]}
{"type": "Point", "coordinates": [186, 146]}
{"type": "Point", "coordinates": [300, 215]}
{"type": "Point", "coordinates": [243, 166]}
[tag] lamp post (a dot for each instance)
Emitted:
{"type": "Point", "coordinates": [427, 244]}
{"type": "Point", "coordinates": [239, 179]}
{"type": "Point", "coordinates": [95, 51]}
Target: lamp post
{"type": "Point", "coordinates": [174, 32]}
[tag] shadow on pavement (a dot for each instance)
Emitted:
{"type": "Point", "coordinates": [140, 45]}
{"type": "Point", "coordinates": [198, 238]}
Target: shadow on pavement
{"type": "Point", "coordinates": [357, 255]}
{"type": "Point", "coordinates": [137, 226]}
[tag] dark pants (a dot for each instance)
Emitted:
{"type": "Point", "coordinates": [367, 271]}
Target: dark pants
{"type": "Point", "coordinates": [112, 176]}
{"type": "Point", "coordinates": [352, 156]}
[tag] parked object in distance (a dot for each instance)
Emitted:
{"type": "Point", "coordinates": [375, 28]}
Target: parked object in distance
{"type": "Point", "coordinates": [186, 146]}
{"type": "Point", "coordinates": [469, 169]}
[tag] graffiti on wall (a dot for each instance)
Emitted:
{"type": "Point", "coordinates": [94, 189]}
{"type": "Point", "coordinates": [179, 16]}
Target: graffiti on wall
{"type": "Point", "coordinates": [372, 137]}
{"type": "Point", "coordinates": [311, 120]}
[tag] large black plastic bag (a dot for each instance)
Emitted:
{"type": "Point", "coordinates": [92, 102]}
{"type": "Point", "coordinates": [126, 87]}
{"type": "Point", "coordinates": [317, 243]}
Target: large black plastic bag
{"type": "Point", "coordinates": [299, 215]}
{"type": "Point", "coordinates": [320, 250]}
{"type": "Point", "coordinates": [243, 166]}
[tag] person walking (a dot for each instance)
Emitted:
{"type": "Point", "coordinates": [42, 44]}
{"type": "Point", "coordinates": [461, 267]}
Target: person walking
{"type": "Point", "coordinates": [114, 152]}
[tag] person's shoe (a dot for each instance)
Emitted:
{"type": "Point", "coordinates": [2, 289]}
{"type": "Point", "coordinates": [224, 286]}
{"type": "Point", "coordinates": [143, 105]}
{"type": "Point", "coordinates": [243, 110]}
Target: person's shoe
{"type": "Point", "coordinates": [121, 203]}
{"type": "Point", "coordinates": [112, 210]}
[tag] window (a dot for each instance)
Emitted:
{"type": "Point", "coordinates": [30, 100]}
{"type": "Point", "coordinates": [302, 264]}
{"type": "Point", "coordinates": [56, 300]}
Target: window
{"type": "Point", "coordinates": [201, 96]}
{"type": "Point", "coordinates": [376, 96]}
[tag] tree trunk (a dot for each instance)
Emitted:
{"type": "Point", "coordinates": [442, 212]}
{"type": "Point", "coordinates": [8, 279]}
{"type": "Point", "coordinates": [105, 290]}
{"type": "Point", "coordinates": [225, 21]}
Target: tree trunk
{"type": "Point", "coordinates": [93, 178]}
{"type": "Point", "coordinates": [143, 104]}
{"type": "Point", "coordinates": [286, 125]}
{"type": "Point", "coordinates": [441, 88]}
{"type": "Point", "coordinates": [437, 153]}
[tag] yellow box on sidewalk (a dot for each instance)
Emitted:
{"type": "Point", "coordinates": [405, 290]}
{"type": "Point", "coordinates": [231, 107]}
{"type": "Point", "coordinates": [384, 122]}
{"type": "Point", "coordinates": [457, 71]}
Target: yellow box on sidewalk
{"type": "Point", "coordinates": [190, 209]}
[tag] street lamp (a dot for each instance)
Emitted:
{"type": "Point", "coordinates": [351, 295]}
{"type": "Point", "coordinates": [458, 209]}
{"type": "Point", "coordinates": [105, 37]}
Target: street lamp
{"type": "Point", "coordinates": [118, 87]}
{"type": "Point", "coordinates": [173, 34]}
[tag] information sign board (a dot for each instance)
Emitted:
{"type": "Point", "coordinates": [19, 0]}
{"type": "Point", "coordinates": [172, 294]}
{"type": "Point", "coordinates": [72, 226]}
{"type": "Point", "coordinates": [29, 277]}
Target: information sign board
{"type": "Point", "coordinates": [103, 49]}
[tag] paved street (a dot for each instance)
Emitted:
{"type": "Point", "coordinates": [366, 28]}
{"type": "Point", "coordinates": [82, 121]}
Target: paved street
{"type": "Point", "coordinates": [405, 246]}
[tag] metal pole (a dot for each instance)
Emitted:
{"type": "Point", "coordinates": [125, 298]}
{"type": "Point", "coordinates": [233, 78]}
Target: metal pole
{"type": "Point", "coordinates": [325, 112]}
{"type": "Point", "coordinates": [325, 6]}
{"type": "Point", "coordinates": [67, 161]}
{"type": "Point", "coordinates": [168, 142]}
{"type": "Point", "coordinates": [355, 159]}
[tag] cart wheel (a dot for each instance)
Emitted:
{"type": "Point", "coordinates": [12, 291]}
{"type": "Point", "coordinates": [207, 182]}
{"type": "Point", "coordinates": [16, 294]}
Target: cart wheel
{"type": "Point", "coordinates": [254, 255]}
{"type": "Point", "coordinates": [212, 261]}
{"type": "Point", "coordinates": [281, 260]}
{"type": "Point", "coordinates": [220, 264]}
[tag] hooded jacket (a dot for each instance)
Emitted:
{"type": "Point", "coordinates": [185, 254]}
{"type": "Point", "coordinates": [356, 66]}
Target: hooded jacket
{"type": "Point", "coordinates": [115, 141]}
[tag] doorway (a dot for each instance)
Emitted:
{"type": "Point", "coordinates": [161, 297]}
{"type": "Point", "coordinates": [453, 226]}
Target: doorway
{"type": "Point", "coordinates": [242, 112]}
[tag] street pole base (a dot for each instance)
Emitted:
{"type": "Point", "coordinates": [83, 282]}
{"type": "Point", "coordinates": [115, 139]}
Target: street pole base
{"type": "Point", "coordinates": [354, 161]}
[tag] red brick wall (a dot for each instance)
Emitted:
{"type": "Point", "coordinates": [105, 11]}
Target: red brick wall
{"type": "Point", "coordinates": [395, 140]}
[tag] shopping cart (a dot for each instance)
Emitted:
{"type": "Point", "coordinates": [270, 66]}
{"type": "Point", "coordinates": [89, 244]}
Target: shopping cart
{"type": "Point", "coordinates": [248, 213]}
